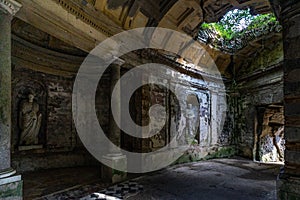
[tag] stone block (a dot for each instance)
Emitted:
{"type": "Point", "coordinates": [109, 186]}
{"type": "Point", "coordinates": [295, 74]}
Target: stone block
{"type": "Point", "coordinates": [110, 174]}
{"type": "Point", "coordinates": [292, 157]}
{"type": "Point", "coordinates": [292, 108]}
{"type": "Point", "coordinates": [292, 134]}
{"type": "Point", "coordinates": [11, 188]}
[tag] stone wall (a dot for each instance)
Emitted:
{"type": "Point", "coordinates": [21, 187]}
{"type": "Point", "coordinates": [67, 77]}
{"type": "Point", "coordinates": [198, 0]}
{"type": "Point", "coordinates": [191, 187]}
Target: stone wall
{"type": "Point", "coordinates": [50, 75]}
{"type": "Point", "coordinates": [258, 84]}
{"type": "Point", "coordinates": [194, 117]}
{"type": "Point", "coordinates": [255, 93]}
{"type": "Point", "coordinates": [289, 184]}
{"type": "Point", "coordinates": [47, 67]}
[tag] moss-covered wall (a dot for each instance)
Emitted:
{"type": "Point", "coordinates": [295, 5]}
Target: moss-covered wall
{"type": "Point", "coordinates": [12, 190]}
{"type": "Point", "coordinates": [263, 59]}
{"type": "Point", "coordinates": [258, 83]}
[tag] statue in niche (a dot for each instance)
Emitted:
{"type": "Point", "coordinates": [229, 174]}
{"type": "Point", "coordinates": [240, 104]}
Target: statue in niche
{"type": "Point", "coordinates": [190, 118]}
{"type": "Point", "coordinates": [29, 121]}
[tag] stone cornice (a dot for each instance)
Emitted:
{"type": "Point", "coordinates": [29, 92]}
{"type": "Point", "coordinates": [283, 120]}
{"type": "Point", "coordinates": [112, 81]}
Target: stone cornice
{"type": "Point", "coordinates": [31, 56]}
{"type": "Point", "coordinates": [194, 73]}
{"type": "Point", "coordinates": [90, 16]}
{"type": "Point", "coordinates": [10, 6]}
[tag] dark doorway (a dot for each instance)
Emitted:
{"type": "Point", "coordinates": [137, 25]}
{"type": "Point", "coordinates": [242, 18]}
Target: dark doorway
{"type": "Point", "coordinates": [269, 137]}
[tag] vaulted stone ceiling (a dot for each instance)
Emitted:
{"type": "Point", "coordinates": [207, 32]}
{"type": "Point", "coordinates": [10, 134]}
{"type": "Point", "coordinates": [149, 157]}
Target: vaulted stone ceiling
{"type": "Point", "coordinates": [185, 15]}
{"type": "Point", "coordinates": [85, 23]}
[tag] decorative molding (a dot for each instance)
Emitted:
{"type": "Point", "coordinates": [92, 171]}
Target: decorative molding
{"type": "Point", "coordinates": [119, 61]}
{"type": "Point", "coordinates": [90, 17]}
{"type": "Point", "coordinates": [163, 59]}
{"type": "Point", "coordinates": [10, 6]}
{"type": "Point", "coordinates": [33, 57]}
{"type": "Point", "coordinates": [11, 179]}
{"type": "Point", "coordinates": [7, 173]}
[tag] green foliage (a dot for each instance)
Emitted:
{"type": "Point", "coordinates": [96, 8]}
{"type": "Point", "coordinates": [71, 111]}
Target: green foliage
{"type": "Point", "coordinates": [262, 20]}
{"type": "Point", "coordinates": [117, 172]}
{"type": "Point", "coordinates": [239, 24]}
{"type": "Point", "coordinates": [231, 24]}
{"type": "Point", "coordinates": [194, 154]}
{"type": "Point", "coordinates": [225, 152]}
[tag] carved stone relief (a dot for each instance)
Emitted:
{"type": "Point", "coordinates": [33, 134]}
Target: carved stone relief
{"type": "Point", "coordinates": [192, 125]}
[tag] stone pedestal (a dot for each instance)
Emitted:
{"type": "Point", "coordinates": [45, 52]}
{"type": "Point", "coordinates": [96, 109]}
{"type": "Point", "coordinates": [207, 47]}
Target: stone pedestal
{"type": "Point", "coordinates": [30, 147]}
{"type": "Point", "coordinates": [10, 184]}
{"type": "Point", "coordinates": [115, 159]}
{"type": "Point", "coordinates": [110, 174]}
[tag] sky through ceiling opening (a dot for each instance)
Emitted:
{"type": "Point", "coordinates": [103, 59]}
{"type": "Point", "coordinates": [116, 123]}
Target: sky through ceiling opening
{"type": "Point", "coordinates": [237, 28]}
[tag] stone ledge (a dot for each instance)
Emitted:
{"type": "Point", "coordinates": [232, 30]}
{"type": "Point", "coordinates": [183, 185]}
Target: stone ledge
{"type": "Point", "coordinates": [7, 173]}
{"type": "Point", "coordinates": [31, 147]}
{"type": "Point", "coordinates": [11, 179]}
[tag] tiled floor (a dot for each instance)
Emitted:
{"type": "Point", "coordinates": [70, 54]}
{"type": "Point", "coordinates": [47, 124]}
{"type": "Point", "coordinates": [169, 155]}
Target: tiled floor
{"type": "Point", "coordinates": [116, 192]}
{"type": "Point", "coordinates": [236, 178]}
{"type": "Point", "coordinates": [41, 183]}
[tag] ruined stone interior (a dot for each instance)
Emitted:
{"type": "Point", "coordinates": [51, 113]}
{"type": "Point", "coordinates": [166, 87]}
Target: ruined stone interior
{"type": "Point", "coordinates": [238, 104]}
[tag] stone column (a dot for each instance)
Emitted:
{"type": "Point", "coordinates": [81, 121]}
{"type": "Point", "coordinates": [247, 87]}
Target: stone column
{"type": "Point", "coordinates": [289, 183]}
{"type": "Point", "coordinates": [10, 184]}
{"type": "Point", "coordinates": [114, 130]}
{"type": "Point", "coordinates": [115, 157]}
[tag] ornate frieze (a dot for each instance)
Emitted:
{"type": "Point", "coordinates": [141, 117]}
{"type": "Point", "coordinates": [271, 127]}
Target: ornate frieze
{"type": "Point", "coordinates": [88, 15]}
{"type": "Point", "coordinates": [10, 6]}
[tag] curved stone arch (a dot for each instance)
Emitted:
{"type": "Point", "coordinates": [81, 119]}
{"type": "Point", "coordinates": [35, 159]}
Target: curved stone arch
{"type": "Point", "coordinates": [184, 16]}
{"type": "Point", "coordinates": [192, 99]}
{"type": "Point", "coordinates": [187, 15]}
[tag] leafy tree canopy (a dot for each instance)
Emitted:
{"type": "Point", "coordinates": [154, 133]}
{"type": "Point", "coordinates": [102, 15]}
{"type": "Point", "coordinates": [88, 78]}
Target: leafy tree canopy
{"type": "Point", "coordinates": [236, 25]}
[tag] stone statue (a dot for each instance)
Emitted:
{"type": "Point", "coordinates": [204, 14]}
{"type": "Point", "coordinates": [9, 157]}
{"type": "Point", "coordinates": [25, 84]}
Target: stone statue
{"type": "Point", "coordinates": [190, 115]}
{"type": "Point", "coordinates": [29, 121]}
{"type": "Point", "coordinates": [190, 124]}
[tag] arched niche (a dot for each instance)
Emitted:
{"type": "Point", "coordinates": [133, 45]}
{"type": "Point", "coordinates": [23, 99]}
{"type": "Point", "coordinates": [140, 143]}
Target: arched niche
{"type": "Point", "coordinates": [193, 118]}
{"type": "Point", "coordinates": [21, 90]}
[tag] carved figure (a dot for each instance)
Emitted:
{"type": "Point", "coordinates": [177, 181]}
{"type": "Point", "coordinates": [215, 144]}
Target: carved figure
{"type": "Point", "coordinates": [29, 121]}
{"type": "Point", "coordinates": [190, 115]}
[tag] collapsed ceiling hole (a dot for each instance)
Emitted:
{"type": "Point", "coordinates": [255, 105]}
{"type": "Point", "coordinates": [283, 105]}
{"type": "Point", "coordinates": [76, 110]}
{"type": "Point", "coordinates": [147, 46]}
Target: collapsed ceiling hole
{"type": "Point", "coordinates": [236, 29]}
